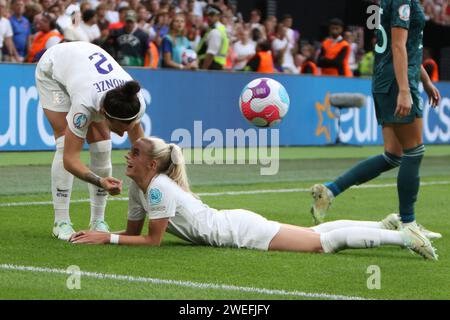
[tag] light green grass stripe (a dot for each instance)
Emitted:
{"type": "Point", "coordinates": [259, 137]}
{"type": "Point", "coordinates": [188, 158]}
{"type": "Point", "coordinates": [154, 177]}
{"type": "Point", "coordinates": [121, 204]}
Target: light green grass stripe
{"type": "Point", "coordinates": [229, 193]}
{"type": "Point", "coordinates": [189, 284]}
{"type": "Point", "coordinates": [285, 153]}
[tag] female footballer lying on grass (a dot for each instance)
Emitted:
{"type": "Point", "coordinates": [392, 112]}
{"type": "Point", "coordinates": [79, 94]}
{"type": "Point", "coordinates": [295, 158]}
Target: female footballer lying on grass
{"type": "Point", "coordinates": [160, 189]}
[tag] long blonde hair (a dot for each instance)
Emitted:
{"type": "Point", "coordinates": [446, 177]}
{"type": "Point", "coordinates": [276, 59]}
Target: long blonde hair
{"type": "Point", "coordinates": [170, 160]}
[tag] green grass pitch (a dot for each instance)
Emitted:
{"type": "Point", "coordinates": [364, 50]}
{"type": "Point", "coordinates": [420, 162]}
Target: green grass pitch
{"type": "Point", "coordinates": [32, 262]}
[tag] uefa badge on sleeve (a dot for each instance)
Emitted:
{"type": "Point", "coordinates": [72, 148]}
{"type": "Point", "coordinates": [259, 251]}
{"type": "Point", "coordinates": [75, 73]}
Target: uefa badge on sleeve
{"type": "Point", "coordinates": [80, 120]}
{"type": "Point", "coordinates": [155, 196]}
{"type": "Point", "coordinates": [404, 12]}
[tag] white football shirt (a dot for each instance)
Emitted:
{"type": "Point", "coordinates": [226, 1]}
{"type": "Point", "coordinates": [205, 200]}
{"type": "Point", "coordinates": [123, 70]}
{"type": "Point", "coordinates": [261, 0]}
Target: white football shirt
{"type": "Point", "coordinates": [192, 220]}
{"type": "Point", "coordinates": [87, 73]}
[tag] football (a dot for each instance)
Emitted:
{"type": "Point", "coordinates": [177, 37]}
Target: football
{"type": "Point", "coordinates": [188, 56]}
{"type": "Point", "coordinates": [264, 102]}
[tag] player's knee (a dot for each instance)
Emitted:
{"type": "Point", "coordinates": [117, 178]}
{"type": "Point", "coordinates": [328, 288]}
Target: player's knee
{"type": "Point", "coordinates": [100, 153]}
{"type": "Point", "coordinates": [418, 151]}
{"type": "Point", "coordinates": [394, 160]}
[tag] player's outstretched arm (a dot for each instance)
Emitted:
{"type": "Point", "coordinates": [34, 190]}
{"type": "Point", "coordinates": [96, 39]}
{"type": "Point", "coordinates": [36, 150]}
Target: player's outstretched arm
{"type": "Point", "coordinates": [72, 163]}
{"type": "Point", "coordinates": [156, 230]}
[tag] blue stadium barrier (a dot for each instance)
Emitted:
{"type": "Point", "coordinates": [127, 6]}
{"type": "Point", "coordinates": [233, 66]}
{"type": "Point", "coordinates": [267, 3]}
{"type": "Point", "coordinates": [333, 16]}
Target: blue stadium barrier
{"type": "Point", "coordinates": [180, 99]}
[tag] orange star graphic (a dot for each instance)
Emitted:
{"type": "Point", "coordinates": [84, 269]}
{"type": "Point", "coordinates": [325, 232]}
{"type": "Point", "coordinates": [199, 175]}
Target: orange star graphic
{"type": "Point", "coordinates": [321, 109]}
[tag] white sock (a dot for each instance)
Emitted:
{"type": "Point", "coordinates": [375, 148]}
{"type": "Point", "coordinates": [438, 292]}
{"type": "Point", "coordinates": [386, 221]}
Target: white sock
{"type": "Point", "coordinates": [62, 181]}
{"type": "Point", "coordinates": [339, 224]}
{"type": "Point", "coordinates": [100, 153]}
{"type": "Point", "coordinates": [359, 238]}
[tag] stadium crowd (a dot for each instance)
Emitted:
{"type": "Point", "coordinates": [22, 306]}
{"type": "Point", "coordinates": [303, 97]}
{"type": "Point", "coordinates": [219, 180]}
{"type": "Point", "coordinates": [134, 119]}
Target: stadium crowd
{"type": "Point", "coordinates": [186, 34]}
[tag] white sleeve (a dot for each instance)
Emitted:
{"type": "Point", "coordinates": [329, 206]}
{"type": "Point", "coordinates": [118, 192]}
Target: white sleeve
{"type": "Point", "coordinates": [214, 42]}
{"type": "Point", "coordinates": [161, 200]}
{"type": "Point", "coordinates": [78, 119]}
{"type": "Point", "coordinates": [136, 211]}
{"type": "Point", "coordinates": [9, 31]}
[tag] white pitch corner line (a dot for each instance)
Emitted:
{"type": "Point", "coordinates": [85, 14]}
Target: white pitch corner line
{"type": "Point", "coordinates": [227, 193]}
{"type": "Point", "coordinates": [188, 284]}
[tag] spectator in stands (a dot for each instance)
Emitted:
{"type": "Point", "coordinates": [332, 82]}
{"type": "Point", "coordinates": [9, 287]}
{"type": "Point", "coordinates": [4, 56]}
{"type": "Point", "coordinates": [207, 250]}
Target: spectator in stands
{"type": "Point", "coordinates": [31, 10]}
{"type": "Point", "coordinates": [21, 28]}
{"type": "Point", "coordinates": [196, 7]}
{"type": "Point", "coordinates": [262, 61]}
{"type": "Point", "coordinates": [46, 37]}
{"type": "Point", "coordinates": [144, 22]}
{"type": "Point", "coordinates": [72, 7]}
{"type": "Point", "coordinates": [122, 14]}
{"type": "Point", "coordinates": [350, 38]}
{"type": "Point", "coordinates": [75, 32]}
{"type": "Point", "coordinates": [430, 65]}
{"type": "Point", "coordinates": [63, 21]}
{"type": "Point", "coordinates": [104, 41]}
{"type": "Point", "coordinates": [309, 66]}
{"type": "Point", "coordinates": [174, 44]}
{"type": "Point", "coordinates": [269, 25]}
{"type": "Point", "coordinates": [193, 35]}
{"type": "Point", "coordinates": [85, 5]}
{"type": "Point", "coordinates": [255, 21]}
{"type": "Point", "coordinates": [154, 7]}
{"type": "Point", "coordinates": [161, 26]}
{"type": "Point", "coordinates": [366, 64]}
{"type": "Point", "coordinates": [293, 36]}
{"type": "Point", "coordinates": [131, 43]}
{"type": "Point", "coordinates": [335, 53]}
{"type": "Point", "coordinates": [135, 4]}
{"type": "Point", "coordinates": [244, 50]}
{"type": "Point", "coordinates": [46, 4]}
{"type": "Point", "coordinates": [111, 14]}
{"type": "Point", "coordinates": [283, 51]}
{"type": "Point", "coordinates": [100, 11]}
{"type": "Point", "coordinates": [6, 35]}
{"type": "Point", "coordinates": [89, 25]}
{"type": "Point", "coordinates": [213, 48]}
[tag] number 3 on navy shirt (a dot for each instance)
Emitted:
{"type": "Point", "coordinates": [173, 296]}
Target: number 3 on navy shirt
{"type": "Point", "coordinates": [98, 64]}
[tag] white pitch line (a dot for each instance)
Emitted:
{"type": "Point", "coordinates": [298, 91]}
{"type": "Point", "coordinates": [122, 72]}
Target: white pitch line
{"type": "Point", "coordinates": [188, 284]}
{"type": "Point", "coordinates": [228, 193]}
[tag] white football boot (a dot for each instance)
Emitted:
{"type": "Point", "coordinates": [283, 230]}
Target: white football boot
{"type": "Point", "coordinates": [418, 243]}
{"type": "Point", "coordinates": [63, 230]}
{"type": "Point", "coordinates": [99, 225]}
{"type": "Point", "coordinates": [393, 222]}
{"type": "Point", "coordinates": [322, 197]}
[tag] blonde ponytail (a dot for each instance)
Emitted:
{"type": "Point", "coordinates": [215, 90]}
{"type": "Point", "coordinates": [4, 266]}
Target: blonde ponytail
{"type": "Point", "coordinates": [170, 160]}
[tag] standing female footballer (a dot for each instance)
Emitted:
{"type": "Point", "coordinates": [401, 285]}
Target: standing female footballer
{"type": "Point", "coordinates": [399, 108]}
{"type": "Point", "coordinates": [160, 189]}
{"type": "Point", "coordinates": [86, 94]}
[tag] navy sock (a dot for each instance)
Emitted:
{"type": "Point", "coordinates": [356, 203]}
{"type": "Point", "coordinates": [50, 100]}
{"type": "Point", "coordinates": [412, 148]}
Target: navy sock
{"type": "Point", "coordinates": [364, 171]}
{"type": "Point", "coordinates": [408, 182]}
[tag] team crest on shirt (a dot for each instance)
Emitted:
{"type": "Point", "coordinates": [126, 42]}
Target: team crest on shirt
{"type": "Point", "coordinates": [80, 120]}
{"type": "Point", "coordinates": [404, 12]}
{"type": "Point", "coordinates": [58, 97]}
{"type": "Point", "coordinates": [155, 196]}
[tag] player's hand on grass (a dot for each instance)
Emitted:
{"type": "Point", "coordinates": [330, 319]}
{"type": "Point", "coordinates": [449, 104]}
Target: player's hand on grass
{"type": "Point", "coordinates": [404, 104]}
{"type": "Point", "coordinates": [112, 185]}
{"type": "Point", "coordinates": [90, 237]}
{"type": "Point", "coordinates": [434, 96]}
